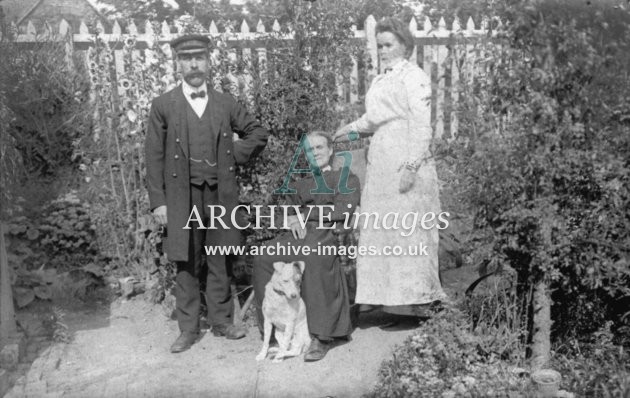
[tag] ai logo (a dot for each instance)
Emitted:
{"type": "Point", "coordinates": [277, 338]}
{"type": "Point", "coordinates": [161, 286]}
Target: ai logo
{"type": "Point", "coordinates": [314, 169]}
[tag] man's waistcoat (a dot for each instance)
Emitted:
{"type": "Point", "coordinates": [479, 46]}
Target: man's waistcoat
{"type": "Point", "coordinates": [203, 163]}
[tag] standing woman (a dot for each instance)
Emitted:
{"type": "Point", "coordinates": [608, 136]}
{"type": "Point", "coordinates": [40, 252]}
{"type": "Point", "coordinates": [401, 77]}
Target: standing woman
{"type": "Point", "coordinates": [400, 178]}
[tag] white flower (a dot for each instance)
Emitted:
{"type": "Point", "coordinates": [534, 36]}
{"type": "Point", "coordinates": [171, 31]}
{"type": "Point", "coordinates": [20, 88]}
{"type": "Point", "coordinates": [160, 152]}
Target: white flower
{"type": "Point", "coordinates": [130, 41]}
{"type": "Point", "coordinates": [124, 83]}
{"type": "Point", "coordinates": [469, 381]}
{"type": "Point", "coordinates": [132, 116]}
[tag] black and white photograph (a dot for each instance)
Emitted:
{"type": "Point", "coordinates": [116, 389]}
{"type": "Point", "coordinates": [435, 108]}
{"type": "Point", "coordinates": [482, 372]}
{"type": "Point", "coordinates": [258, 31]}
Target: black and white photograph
{"type": "Point", "coordinates": [315, 198]}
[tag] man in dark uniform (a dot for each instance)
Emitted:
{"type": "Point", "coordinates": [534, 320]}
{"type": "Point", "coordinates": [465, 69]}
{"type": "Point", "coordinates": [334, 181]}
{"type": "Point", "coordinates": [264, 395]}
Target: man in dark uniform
{"type": "Point", "coordinates": [191, 160]}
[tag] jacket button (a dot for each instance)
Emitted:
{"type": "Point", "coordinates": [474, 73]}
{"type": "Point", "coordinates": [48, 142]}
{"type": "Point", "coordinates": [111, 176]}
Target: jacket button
{"type": "Point", "coordinates": [176, 156]}
{"type": "Point", "coordinates": [228, 151]}
{"type": "Point", "coordinates": [174, 175]}
{"type": "Point", "coordinates": [176, 139]}
{"type": "Point", "coordinates": [225, 134]}
{"type": "Point", "coordinates": [231, 168]}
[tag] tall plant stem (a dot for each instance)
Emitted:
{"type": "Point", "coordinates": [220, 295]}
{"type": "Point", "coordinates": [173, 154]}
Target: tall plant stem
{"type": "Point", "coordinates": [541, 338]}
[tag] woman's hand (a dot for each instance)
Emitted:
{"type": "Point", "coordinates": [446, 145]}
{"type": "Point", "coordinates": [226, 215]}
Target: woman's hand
{"type": "Point", "coordinates": [296, 228]}
{"type": "Point", "coordinates": [407, 181]}
{"type": "Point", "coordinates": [297, 231]}
{"type": "Point", "coordinates": [341, 135]}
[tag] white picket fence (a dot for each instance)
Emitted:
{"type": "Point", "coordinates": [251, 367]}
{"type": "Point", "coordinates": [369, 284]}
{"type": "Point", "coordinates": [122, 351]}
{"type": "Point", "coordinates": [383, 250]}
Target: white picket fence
{"type": "Point", "coordinates": [443, 53]}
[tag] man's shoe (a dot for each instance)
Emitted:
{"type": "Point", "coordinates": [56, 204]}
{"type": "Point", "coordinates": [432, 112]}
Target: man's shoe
{"type": "Point", "coordinates": [317, 350]}
{"type": "Point", "coordinates": [184, 342]}
{"type": "Point", "coordinates": [231, 332]}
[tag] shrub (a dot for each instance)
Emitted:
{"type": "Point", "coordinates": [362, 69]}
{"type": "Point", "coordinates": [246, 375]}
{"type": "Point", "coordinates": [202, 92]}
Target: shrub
{"type": "Point", "coordinates": [297, 89]}
{"type": "Point", "coordinates": [546, 116]}
{"type": "Point", "coordinates": [112, 156]}
{"type": "Point", "coordinates": [595, 367]}
{"type": "Point", "coordinates": [48, 101]}
{"type": "Point", "coordinates": [498, 313]}
{"type": "Point", "coordinates": [442, 359]}
{"type": "Point", "coordinates": [61, 236]}
{"type": "Point", "coordinates": [10, 160]}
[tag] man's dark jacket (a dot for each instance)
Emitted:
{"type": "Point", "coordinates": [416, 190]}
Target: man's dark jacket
{"type": "Point", "coordinates": [168, 174]}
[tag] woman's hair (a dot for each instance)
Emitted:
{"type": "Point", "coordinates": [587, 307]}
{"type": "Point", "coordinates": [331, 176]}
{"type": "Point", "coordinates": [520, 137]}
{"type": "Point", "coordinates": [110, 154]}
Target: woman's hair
{"type": "Point", "coordinates": [321, 133]}
{"type": "Point", "coordinates": [398, 29]}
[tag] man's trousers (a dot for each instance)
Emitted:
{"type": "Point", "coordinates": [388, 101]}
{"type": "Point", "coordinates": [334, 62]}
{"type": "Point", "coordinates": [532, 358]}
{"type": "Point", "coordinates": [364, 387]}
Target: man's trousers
{"type": "Point", "coordinates": [187, 295]}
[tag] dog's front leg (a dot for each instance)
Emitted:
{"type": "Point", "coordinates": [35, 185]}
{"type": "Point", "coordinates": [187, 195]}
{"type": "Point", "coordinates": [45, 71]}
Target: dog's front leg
{"type": "Point", "coordinates": [284, 342]}
{"type": "Point", "coordinates": [300, 340]}
{"type": "Point", "coordinates": [263, 351]}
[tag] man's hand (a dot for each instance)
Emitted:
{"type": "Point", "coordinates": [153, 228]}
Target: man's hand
{"type": "Point", "coordinates": [407, 181]}
{"type": "Point", "coordinates": [160, 214]}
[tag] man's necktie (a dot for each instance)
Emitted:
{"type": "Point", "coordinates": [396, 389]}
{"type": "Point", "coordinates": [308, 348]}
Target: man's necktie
{"type": "Point", "coordinates": [200, 94]}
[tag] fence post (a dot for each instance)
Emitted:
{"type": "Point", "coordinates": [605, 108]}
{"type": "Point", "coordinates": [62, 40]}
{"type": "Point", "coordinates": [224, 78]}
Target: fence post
{"type": "Point", "coordinates": [455, 72]}
{"type": "Point", "coordinates": [65, 34]}
{"type": "Point", "coordinates": [83, 30]}
{"type": "Point", "coordinates": [31, 32]}
{"type": "Point", "coordinates": [262, 54]}
{"type": "Point", "coordinates": [413, 28]}
{"type": "Point", "coordinates": [370, 37]}
{"type": "Point", "coordinates": [354, 75]}
{"type": "Point", "coordinates": [119, 61]}
{"type": "Point", "coordinates": [7, 312]}
{"type": "Point", "coordinates": [440, 54]}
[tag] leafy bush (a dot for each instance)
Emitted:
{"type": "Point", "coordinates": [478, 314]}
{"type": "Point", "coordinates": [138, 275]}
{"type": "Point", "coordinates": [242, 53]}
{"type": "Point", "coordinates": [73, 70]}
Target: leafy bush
{"type": "Point", "coordinates": [48, 95]}
{"type": "Point", "coordinates": [61, 236]}
{"type": "Point", "coordinates": [111, 155]}
{"type": "Point", "coordinates": [296, 91]}
{"type": "Point", "coordinates": [496, 311]}
{"type": "Point", "coordinates": [596, 367]}
{"type": "Point", "coordinates": [10, 160]}
{"type": "Point", "coordinates": [442, 359]}
{"type": "Point", "coordinates": [43, 113]}
{"type": "Point", "coordinates": [447, 356]}
{"type": "Point", "coordinates": [53, 253]}
{"type": "Point", "coordinates": [546, 116]}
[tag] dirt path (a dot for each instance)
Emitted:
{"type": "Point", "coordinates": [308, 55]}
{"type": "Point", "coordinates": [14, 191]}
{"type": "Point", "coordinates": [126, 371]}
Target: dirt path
{"type": "Point", "coordinates": [121, 350]}
{"type": "Point", "coordinates": [128, 357]}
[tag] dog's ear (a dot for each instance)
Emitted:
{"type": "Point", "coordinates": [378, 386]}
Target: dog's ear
{"type": "Point", "coordinates": [301, 265]}
{"type": "Point", "coordinates": [278, 265]}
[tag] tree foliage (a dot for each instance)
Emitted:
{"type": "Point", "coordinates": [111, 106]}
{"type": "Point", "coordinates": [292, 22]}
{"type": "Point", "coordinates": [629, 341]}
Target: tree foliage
{"type": "Point", "coordinates": [225, 14]}
{"type": "Point", "coordinates": [543, 156]}
{"type": "Point", "coordinates": [47, 94]}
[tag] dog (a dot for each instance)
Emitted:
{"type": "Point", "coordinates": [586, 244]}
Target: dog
{"type": "Point", "coordinates": [284, 309]}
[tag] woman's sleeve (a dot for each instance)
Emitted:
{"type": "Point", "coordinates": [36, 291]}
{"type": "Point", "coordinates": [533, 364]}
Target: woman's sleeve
{"type": "Point", "coordinates": [369, 122]}
{"type": "Point", "coordinates": [364, 124]}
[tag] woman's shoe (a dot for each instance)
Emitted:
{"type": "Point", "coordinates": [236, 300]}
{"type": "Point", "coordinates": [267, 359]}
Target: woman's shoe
{"type": "Point", "coordinates": [317, 350]}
